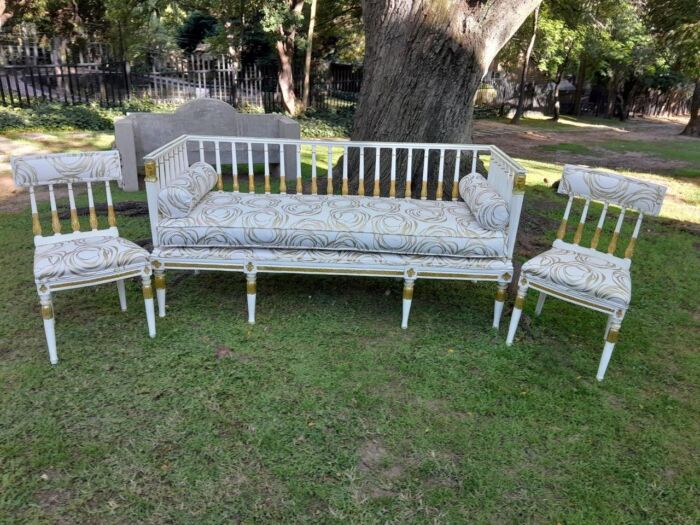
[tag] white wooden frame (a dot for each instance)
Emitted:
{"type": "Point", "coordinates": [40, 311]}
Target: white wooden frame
{"type": "Point", "coordinates": [69, 170]}
{"type": "Point", "coordinates": [504, 175]}
{"type": "Point", "coordinates": [613, 190]}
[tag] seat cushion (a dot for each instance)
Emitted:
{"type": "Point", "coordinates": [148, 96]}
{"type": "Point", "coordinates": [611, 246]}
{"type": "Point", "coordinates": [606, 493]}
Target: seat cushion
{"type": "Point", "coordinates": [596, 277]}
{"type": "Point", "coordinates": [333, 222]}
{"type": "Point", "coordinates": [88, 257]}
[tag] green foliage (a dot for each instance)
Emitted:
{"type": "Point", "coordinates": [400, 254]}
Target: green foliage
{"type": "Point", "coordinates": [326, 124]}
{"type": "Point", "coordinates": [196, 27]}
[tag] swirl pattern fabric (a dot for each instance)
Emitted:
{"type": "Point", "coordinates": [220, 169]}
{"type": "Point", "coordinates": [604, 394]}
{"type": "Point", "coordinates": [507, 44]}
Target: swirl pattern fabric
{"type": "Point", "coordinates": [627, 192]}
{"type": "Point", "coordinates": [183, 193]}
{"type": "Point", "coordinates": [488, 207]}
{"type": "Point", "coordinates": [585, 274]}
{"type": "Point", "coordinates": [63, 168]}
{"type": "Point", "coordinates": [331, 222]}
{"type": "Point", "coordinates": [89, 257]}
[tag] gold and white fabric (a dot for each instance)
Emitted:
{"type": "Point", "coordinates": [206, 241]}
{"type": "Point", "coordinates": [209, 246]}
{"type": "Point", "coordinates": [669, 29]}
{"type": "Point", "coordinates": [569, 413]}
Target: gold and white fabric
{"type": "Point", "coordinates": [181, 195]}
{"type": "Point", "coordinates": [584, 275]}
{"type": "Point", "coordinates": [485, 203]}
{"type": "Point", "coordinates": [83, 257]}
{"type": "Point", "coordinates": [334, 222]}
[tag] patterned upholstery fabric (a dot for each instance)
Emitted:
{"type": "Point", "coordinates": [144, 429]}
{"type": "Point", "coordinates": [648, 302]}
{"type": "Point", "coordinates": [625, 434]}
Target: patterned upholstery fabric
{"type": "Point", "coordinates": [488, 207]}
{"type": "Point", "coordinates": [183, 193]}
{"type": "Point", "coordinates": [63, 168]}
{"type": "Point", "coordinates": [585, 274]}
{"type": "Point", "coordinates": [330, 222]}
{"type": "Point", "coordinates": [89, 257]}
{"type": "Point", "coordinates": [261, 255]}
{"type": "Point", "coordinates": [639, 195]}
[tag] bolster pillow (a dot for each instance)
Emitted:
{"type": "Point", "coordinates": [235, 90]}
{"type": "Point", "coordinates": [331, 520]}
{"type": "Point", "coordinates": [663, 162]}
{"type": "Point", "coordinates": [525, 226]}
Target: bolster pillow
{"type": "Point", "coordinates": [485, 203]}
{"type": "Point", "coordinates": [184, 192]}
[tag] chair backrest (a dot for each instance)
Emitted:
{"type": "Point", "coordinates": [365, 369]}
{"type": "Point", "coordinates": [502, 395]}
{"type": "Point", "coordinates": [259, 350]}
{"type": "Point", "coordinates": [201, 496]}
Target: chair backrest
{"type": "Point", "coordinates": [611, 189]}
{"type": "Point", "coordinates": [68, 169]}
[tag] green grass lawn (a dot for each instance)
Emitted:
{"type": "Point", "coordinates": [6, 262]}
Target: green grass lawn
{"type": "Point", "coordinates": [326, 411]}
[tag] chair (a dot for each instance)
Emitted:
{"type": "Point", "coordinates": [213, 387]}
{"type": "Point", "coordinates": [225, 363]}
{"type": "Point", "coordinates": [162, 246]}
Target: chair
{"type": "Point", "coordinates": [585, 276]}
{"type": "Point", "coordinates": [65, 261]}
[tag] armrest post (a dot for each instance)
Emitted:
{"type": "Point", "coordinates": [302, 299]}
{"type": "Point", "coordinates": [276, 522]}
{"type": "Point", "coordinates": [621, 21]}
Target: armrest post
{"type": "Point", "coordinates": [152, 189]}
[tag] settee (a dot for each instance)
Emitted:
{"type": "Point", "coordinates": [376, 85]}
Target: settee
{"type": "Point", "coordinates": [412, 211]}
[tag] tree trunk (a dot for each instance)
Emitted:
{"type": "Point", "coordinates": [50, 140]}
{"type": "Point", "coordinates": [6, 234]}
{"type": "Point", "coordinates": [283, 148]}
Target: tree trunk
{"type": "Point", "coordinates": [424, 60]}
{"type": "Point", "coordinates": [580, 81]}
{"type": "Point", "coordinates": [307, 61]}
{"type": "Point", "coordinates": [523, 73]}
{"type": "Point", "coordinates": [285, 54]}
{"type": "Point", "coordinates": [692, 129]}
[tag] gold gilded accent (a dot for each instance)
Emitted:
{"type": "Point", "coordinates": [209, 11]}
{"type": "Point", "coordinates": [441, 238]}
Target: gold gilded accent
{"type": "Point", "coordinates": [55, 223]}
{"type": "Point", "coordinates": [613, 336]}
{"type": "Point", "coordinates": [424, 191]}
{"type": "Point", "coordinates": [613, 243]}
{"type": "Point", "coordinates": [298, 269]}
{"type": "Point", "coordinates": [579, 233]}
{"type": "Point", "coordinates": [361, 187]}
{"type": "Point", "coordinates": [408, 291]}
{"type": "Point", "coordinates": [236, 187]}
{"type": "Point", "coordinates": [571, 299]}
{"type": "Point", "coordinates": [36, 225]}
{"type": "Point", "coordinates": [501, 295]}
{"type": "Point", "coordinates": [519, 183]}
{"type": "Point", "coordinates": [111, 218]}
{"type": "Point", "coordinates": [392, 189]}
{"type": "Point", "coordinates": [283, 185]}
{"type": "Point", "coordinates": [438, 195]}
{"type": "Point", "coordinates": [407, 190]}
{"type": "Point", "coordinates": [149, 168]}
{"type": "Point", "coordinates": [147, 291]}
{"type": "Point", "coordinates": [93, 219]}
{"type": "Point", "coordinates": [562, 229]}
{"type": "Point", "coordinates": [345, 187]}
{"type": "Point", "coordinates": [251, 183]}
{"type": "Point", "coordinates": [74, 222]}
{"type": "Point", "coordinates": [219, 182]}
{"type": "Point", "coordinates": [455, 189]}
{"type": "Point", "coordinates": [376, 191]}
{"type": "Point", "coordinates": [314, 185]}
{"type": "Point", "coordinates": [596, 238]}
{"type": "Point", "coordinates": [197, 266]}
{"type": "Point", "coordinates": [411, 272]}
{"type": "Point", "coordinates": [329, 186]}
{"type": "Point", "coordinates": [250, 287]}
{"type": "Point", "coordinates": [267, 184]}
{"type": "Point", "coordinates": [108, 279]}
{"type": "Point", "coordinates": [249, 266]}
{"type": "Point", "coordinates": [519, 302]}
{"type": "Point", "coordinates": [43, 289]}
{"type": "Point", "coordinates": [160, 281]}
{"type": "Point", "coordinates": [506, 276]}
{"type": "Point", "coordinates": [447, 275]}
{"type": "Point", "coordinates": [630, 248]}
{"type": "Point", "coordinates": [157, 264]}
{"type": "Point", "coordinates": [47, 311]}
{"type": "Point", "coordinates": [300, 188]}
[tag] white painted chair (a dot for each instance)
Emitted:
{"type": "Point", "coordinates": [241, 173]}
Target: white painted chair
{"type": "Point", "coordinates": [81, 258]}
{"type": "Point", "coordinates": [585, 276]}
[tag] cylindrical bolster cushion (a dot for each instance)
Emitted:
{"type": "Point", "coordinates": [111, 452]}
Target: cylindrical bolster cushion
{"type": "Point", "coordinates": [487, 206]}
{"type": "Point", "coordinates": [183, 193]}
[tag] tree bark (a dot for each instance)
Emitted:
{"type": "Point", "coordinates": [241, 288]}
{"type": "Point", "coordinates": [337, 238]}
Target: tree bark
{"type": "Point", "coordinates": [285, 55]}
{"type": "Point", "coordinates": [580, 81]}
{"type": "Point", "coordinates": [692, 129]}
{"type": "Point", "coordinates": [307, 61]}
{"type": "Point", "coordinates": [526, 64]}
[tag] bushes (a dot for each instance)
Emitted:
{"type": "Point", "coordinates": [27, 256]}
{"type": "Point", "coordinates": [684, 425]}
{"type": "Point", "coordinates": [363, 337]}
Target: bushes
{"type": "Point", "coordinates": [326, 124]}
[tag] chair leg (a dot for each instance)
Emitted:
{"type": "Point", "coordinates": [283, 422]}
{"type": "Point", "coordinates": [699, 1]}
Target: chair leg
{"type": "Point", "coordinates": [540, 303]}
{"type": "Point", "coordinates": [407, 299]}
{"type": "Point", "coordinates": [159, 276]}
{"type": "Point", "coordinates": [121, 289]}
{"type": "Point", "coordinates": [148, 301]}
{"type": "Point", "coordinates": [611, 337]}
{"type": "Point", "coordinates": [498, 305]}
{"type": "Point", "coordinates": [251, 291]}
{"type": "Point", "coordinates": [49, 326]}
{"type": "Point", "coordinates": [517, 311]}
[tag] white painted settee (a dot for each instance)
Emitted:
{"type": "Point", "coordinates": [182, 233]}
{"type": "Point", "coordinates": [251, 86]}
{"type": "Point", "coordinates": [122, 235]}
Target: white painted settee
{"type": "Point", "coordinates": [400, 215]}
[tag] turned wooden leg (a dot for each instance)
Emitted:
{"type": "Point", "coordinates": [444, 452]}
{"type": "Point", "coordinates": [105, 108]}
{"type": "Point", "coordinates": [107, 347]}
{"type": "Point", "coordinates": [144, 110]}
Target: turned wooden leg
{"type": "Point", "coordinates": [159, 277]}
{"type": "Point", "coordinates": [498, 305]}
{"type": "Point", "coordinates": [407, 299]}
{"type": "Point", "coordinates": [49, 326]}
{"type": "Point", "coordinates": [540, 303]}
{"type": "Point", "coordinates": [251, 290]}
{"type": "Point", "coordinates": [121, 289]}
{"type": "Point", "coordinates": [148, 301]}
{"type": "Point", "coordinates": [517, 311]}
{"type": "Point", "coordinates": [613, 333]}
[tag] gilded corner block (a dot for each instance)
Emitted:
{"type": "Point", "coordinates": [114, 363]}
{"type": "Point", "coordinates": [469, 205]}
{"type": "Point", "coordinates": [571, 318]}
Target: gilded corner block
{"type": "Point", "coordinates": [47, 311]}
{"type": "Point", "coordinates": [408, 290]}
{"type": "Point", "coordinates": [613, 335]}
{"type": "Point", "coordinates": [501, 295]}
{"type": "Point", "coordinates": [160, 281]}
{"type": "Point", "coordinates": [147, 291]}
{"type": "Point", "coordinates": [149, 168]}
{"type": "Point", "coordinates": [519, 183]}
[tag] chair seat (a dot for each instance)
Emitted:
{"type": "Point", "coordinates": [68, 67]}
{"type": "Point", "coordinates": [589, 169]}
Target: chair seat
{"type": "Point", "coordinates": [583, 274]}
{"type": "Point", "coordinates": [331, 222]}
{"type": "Point", "coordinates": [87, 257]}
